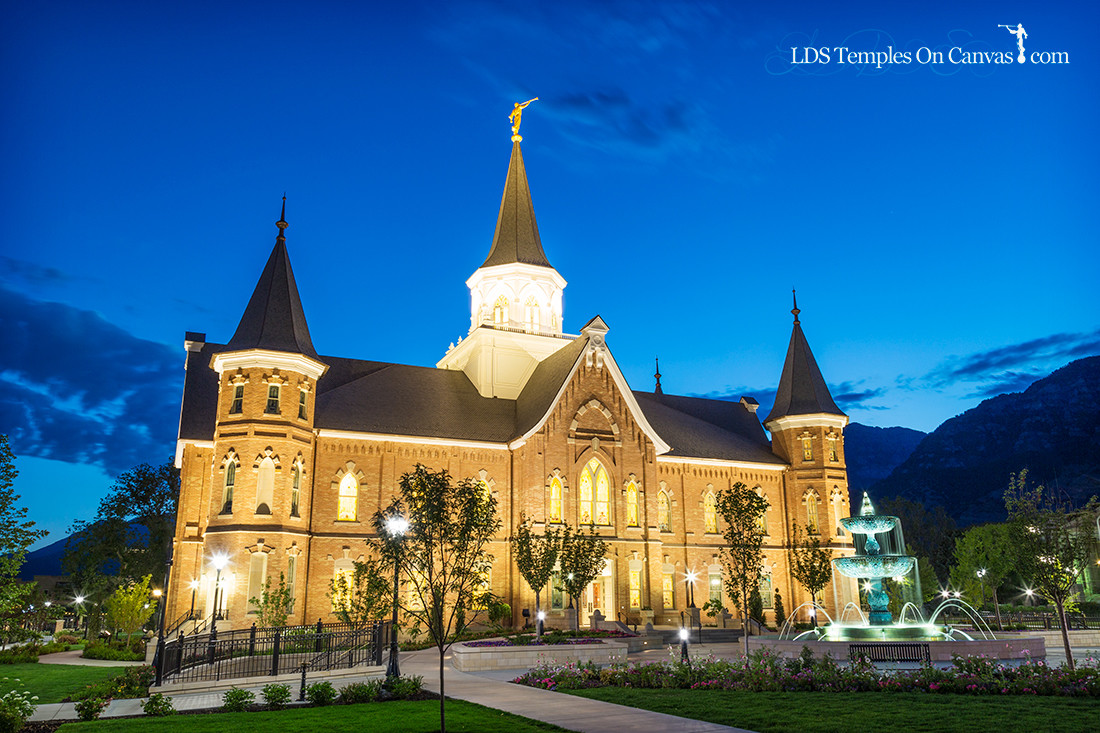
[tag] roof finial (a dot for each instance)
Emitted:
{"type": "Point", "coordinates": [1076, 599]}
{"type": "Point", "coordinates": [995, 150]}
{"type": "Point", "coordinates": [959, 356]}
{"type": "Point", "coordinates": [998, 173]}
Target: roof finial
{"type": "Point", "coordinates": [516, 116]}
{"type": "Point", "coordinates": [282, 222]}
{"type": "Point", "coordinates": [657, 389]}
{"type": "Point", "coordinates": [795, 311]}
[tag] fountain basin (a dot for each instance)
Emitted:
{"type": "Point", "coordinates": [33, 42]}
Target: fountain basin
{"type": "Point", "coordinates": [894, 632]}
{"type": "Point", "coordinates": [874, 566]}
{"type": "Point", "coordinates": [870, 524]}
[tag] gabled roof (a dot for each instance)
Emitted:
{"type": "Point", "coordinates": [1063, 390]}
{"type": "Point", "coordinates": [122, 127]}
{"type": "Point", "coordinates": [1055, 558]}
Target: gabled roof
{"type": "Point", "coordinates": [274, 318]}
{"type": "Point", "coordinates": [802, 389]}
{"type": "Point", "coordinates": [516, 238]}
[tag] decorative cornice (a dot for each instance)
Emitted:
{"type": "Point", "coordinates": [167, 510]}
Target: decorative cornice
{"type": "Point", "coordinates": [820, 419]}
{"type": "Point", "coordinates": [267, 359]}
{"type": "Point", "coordinates": [723, 462]}
{"type": "Point", "coordinates": [382, 438]}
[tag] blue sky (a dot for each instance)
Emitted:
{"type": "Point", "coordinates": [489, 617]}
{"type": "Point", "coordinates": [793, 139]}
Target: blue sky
{"type": "Point", "coordinates": [686, 175]}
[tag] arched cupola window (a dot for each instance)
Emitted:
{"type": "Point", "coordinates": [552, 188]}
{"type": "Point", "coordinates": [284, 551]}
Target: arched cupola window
{"type": "Point", "coordinates": [500, 311]}
{"type": "Point", "coordinates": [594, 494]}
{"type": "Point", "coordinates": [531, 315]}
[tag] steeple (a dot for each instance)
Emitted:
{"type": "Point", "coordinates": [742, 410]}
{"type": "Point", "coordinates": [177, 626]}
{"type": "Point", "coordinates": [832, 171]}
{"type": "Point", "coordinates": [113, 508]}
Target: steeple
{"type": "Point", "coordinates": [802, 389]}
{"type": "Point", "coordinates": [274, 319]}
{"type": "Point", "coordinates": [516, 238]}
{"type": "Point", "coordinates": [657, 375]}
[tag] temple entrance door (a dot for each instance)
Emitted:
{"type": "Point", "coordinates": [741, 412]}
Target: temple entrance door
{"type": "Point", "coordinates": [599, 595]}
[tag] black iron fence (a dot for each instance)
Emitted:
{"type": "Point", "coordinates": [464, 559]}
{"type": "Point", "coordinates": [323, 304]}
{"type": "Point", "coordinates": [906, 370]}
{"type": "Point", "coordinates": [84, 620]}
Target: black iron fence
{"type": "Point", "coordinates": [272, 651]}
{"type": "Point", "coordinates": [1028, 621]}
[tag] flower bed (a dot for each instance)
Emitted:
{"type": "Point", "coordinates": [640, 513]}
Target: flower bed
{"type": "Point", "coordinates": [544, 642]}
{"type": "Point", "coordinates": [763, 671]}
{"type": "Point", "coordinates": [505, 654]}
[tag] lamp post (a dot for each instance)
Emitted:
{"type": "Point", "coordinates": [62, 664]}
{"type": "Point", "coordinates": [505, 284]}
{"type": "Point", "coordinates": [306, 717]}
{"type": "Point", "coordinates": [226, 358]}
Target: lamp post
{"type": "Point", "coordinates": [159, 595]}
{"type": "Point", "coordinates": [194, 587]}
{"type": "Point", "coordinates": [219, 560]}
{"type": "Point", "coordinates": [690, 576]}
{"type": "Point", "coordinates": [684, 645]}
{"type": "Point", "coordinates": [396, 526]}
{"type": "Point", "coordinates": [539, 618]}
{"type": "Point", "coordinates": [981, 581]}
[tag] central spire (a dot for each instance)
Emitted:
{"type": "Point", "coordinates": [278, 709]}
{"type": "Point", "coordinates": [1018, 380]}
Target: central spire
{"type": "Point", "coordinates": [516, 238]}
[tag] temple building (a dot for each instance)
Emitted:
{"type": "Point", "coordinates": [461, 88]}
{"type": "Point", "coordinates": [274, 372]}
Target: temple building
{"type": "Point", "coordinates": [285, 454]}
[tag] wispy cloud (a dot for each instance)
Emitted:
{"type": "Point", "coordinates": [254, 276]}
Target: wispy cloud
{"type": "Point", "coordinates": [847, 395]}
{"type": "Point", "coordinates": [76, 388]}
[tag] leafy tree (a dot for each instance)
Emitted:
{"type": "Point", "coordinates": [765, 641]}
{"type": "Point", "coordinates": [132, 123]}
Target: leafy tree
{"type": "Point", "coordinates": [363, 597]}
{"type": "Point", "coordinates": [273, 603]}
{"type": "Point", "coordinates": [780, 611]}
{"type": "Point", "coordinates": [443, 556]}
{"type": "Point", "coordinates": [130, 606]}
{"type": "Point", "coordinates": [811, 565]}
{"type": "Point", "coordinates": [17, 533]}
{"type": "Point", "coordinates": [756, 607]}
{"type": "Point", "coordinates": [132, 531]}
{"type": "Point", "coordinates": [582, 561]}
{"type": "Point", "coordinates": [741, 509]}
{"type": "Point", "coordinates": [986, 549]}
{"type": "Point", "coordinates": [536, 555]}
{"type": "Point", "coordinates": [1050, 543]}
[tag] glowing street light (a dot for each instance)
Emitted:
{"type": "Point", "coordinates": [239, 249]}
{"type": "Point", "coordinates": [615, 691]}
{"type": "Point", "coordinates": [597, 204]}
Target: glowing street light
{"type": "Point", "coordinates": [981, 581]}
{"type": "Point", "coordinates": [684, 645]}
{"type": "Point", "coordinates": [396, 527]}
{"type": "Point", "coordinates": [219, 560]}
{"type": "Point", "coordinates": [690, 577]}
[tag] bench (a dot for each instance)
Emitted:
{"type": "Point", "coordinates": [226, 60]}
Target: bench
{"type": "Point", "coordinates": [891, 651]}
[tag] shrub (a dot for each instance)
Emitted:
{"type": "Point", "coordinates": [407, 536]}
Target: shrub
{"type": "Point", "coordinates": [90, 708]}
{"type": "Point", "coordinates": [115, 651]}
{"type": "Point", "coordinates": [134, 682]}
{"type": "Point", "coordinates": [19, 655]}
{"type": "Point", "coordinates": [67, 639]}
{"type": "Point", "coordinates": [158, 704]}
{"type": "Point", "coordinates": [321, 693]}
{"type": "Point", "coordinates": [405, 687]}
{"type": "Point", "coordinates": [53, 647]}
{"type": "Point", "coordinates": [276, 696]}
{"type": "Point", "coordinates": [358, 692]}
{"type": "Point", "coordinates": [15, 707]}
{"type": "Point", "coordinates": [235, 700]}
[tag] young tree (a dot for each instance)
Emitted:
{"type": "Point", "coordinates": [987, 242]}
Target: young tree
{"type": "Point", "coordinates": [130, 606]}
{"type": "Point", "coordinates": [582, 561]}
{"type": "Point", "coordinates": [273, 603]}
{"type": "Point", "coordinates": [443, 556]}
{"type": "Point", "coordinates": [1050, 543]}
{"type": "Point", "coordinates": [780, 611]}
{"type": "Point", "coordinates": [742, 556]}
{"type": "Point", "coordinates": [756, 607]}
{"type": "Point", "coordinates": [983, 560]}
{"type": "Point", "coordinates": [536, 555]}
{"type": "Point", "coordinates": [364, 596]}
{"type": "Point", "coordinates": [17, 533]}
{"type": "Point", "coordinates": [811, 565]}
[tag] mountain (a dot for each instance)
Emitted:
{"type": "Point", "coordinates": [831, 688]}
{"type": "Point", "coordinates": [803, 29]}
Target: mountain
{"type": "Point", "coordinates": [1052, 429]}
{"type": "Point", "coordinates": [44, 561]}
{"type": "Point", "coordinates": [873, 453]}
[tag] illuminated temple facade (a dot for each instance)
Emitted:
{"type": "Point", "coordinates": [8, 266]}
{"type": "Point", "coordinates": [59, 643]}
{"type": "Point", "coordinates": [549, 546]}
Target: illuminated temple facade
{"type": "Point", "coordinates": [285, 454]}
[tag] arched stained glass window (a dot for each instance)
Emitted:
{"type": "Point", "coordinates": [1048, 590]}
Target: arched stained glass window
{"type": "Point", "coordinates": [265, 486]}
{"type": "Point", "coordinates": [227, 491]}
{"type": "Point", "coordinates": [632, 504]}
{"type": "Point", "coordinates": [595, 491]}
{"type": "Point", "coordinates": [295, 488]}
{"type": "Point", "coordinates": [555, 499]}
{"type": "Point", "coordinates": [348, 500]}
{"type": "Point", "coordinates": [662, 511]}
{"type": "Point", "coordinates": [710, 513]}
{"type": "Point", "coordinates": [811, 512]}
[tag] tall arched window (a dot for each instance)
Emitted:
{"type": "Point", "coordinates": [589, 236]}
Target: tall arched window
{"type": "Point", "coordinates": [594, 482]}
{"type": "Point", "coordinates": [500, 311]}
{"type": "Point", "coordinates": [555, 499]}
{"type": "Point", "coordinates": [710, 513]}
{"type": "Point", "coordinates": [347, 502]}
{"type": "Point", "coordinates": [227, 491]}
{"type": "Point", "coordinates": [811, 512]}
{"type": "Point", "coordinates": [531, 315]}
{"type": "Point", "coordinates": [295, 488]}
{"type": "Point", "coordinates": [662, 511]}
{"type": "Point", "coordinates": [632, 504]}
{"type": "Point", "coordinates": [762, 523]}
{"type": "Point", "coordinates": [265, 486]}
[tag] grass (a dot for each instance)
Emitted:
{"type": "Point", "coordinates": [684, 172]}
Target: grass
{"type": "Point", "coordinates": [55, 682]}
{"type": "Point", "coordinates": [837, 712]}
{"type": "Point", "coordinates": [404, 716]}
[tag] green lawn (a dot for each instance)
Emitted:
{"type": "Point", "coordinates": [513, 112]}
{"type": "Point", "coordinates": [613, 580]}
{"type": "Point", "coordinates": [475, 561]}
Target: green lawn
{"type": "Point", "coordinates": [836, 712]}
{"type": "Point", "coordinates": [54, 682]}
{"type": "Point", "coordinates": [375, 717]}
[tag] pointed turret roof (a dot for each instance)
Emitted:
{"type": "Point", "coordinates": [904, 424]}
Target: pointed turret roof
{"type": "Point", "coordinates": [802, 389]}
{"type": "Point", "coordinates": [516, 238]}
{"type": "Point", "coordinates": [274, 318]}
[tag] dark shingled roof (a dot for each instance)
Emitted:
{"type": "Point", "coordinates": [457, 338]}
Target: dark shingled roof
{"type": "Point", "coordinates": [516, 238]}
{"type": "Point", "coordinates": [802, 389]}
{"type": "Point", "coordinates": [274, 318]}
{"type": "Point", "coordinates": [397, 399]}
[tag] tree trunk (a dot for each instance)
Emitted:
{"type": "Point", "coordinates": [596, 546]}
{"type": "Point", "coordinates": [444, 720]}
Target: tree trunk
{"type": "Point", "coordinates": [538, 626]}
{"type": "Point", "coordinates": [997, 609]}
{"type": "Point", "coordinates": [442, 697]}
{"type": "Point", "coordinates": [1065, 632]}
{"type": "Point", "coordinates": [745, 626]}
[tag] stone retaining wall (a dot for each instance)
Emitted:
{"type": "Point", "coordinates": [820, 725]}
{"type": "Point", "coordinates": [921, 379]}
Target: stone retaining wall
{"type": "Point", "coordinates": [474, 658]}
{"type": "Point", "coordinates": [1006, 648]}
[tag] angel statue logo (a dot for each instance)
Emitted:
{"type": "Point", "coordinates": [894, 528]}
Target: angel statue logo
{"type": "Point", "coordinates": [1020, 34]}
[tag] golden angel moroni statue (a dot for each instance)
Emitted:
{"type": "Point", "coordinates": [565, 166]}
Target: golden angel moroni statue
{"type": "Point", "coordinates": [516, 117]}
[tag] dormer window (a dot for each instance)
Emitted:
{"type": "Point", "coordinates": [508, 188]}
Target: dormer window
{"type": "Point", "coordinates": [301, 404]}
{"type": "Point", "coordinates": [272, 400]}
{"type": "Point", "coordinates": [236, 407]}
{"type": "Point", "coordinates": [500, 312]}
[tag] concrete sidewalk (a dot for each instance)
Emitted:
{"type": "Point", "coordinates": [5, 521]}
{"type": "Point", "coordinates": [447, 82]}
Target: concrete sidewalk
{"type": "Point", "coordinates": [73, 658]}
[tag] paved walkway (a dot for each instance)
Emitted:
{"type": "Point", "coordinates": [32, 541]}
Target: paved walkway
{"type": "Point", "coordinates": [73, 657]}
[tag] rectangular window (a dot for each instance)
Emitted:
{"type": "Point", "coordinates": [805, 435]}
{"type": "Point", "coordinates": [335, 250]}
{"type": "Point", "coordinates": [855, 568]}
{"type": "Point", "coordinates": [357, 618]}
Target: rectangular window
{"type": "Point", "coordinates": [666, 590]}
{"type": "Point", "coordinates": [832, 449]}
{"type": "Point", "coordinates": [257, 570]}
{"type": "Point", "coordinates": [236, 407]}
{"type": "Point", "coordinates": [291, 576]}
{"type": "Point", "coordinates": [766, 591]}
{"type": "Point", "coordinates": [716, 587]}
{"type": "Point", "coordinates": [807, 449]}
{"type": "Point", "coordinates": [272, 400]}
{"type": "Point", "coordinates": [557, 595]}
{"type": "Point", "coordinates": [635, 588]}
{"type": "Point", "coordinates": [301, 404]}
